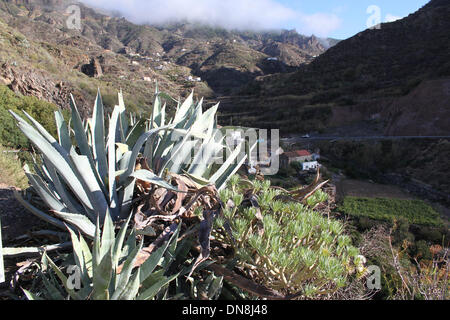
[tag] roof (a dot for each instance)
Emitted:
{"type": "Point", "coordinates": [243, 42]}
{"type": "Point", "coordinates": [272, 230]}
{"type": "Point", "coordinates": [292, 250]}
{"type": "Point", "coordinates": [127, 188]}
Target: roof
{"type": "Point", "coordinates": [298, 153]}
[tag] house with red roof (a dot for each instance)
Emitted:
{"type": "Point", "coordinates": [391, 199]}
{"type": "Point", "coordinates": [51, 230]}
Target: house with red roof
{"type": "Point", "coordinates": [295, 156]}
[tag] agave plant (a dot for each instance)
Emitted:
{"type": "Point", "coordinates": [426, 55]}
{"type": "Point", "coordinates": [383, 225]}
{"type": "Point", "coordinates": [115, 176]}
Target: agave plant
{"type": "Point", "coordinates": [90, 171]}
{"type": "Point", "coordinates": [107, 272]}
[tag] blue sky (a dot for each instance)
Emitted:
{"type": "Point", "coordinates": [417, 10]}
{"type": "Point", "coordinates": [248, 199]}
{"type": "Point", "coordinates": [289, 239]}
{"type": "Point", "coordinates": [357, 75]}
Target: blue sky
{"type": "Point", "coordinates": [325, 18]}
{"type": "Point", "coordinates": [353, 13]}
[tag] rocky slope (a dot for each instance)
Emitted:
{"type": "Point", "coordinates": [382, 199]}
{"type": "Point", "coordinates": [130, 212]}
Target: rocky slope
{"type": "Point", "coordinates": [380, 75]}
{"type": "Point", "coordinates": [42, 56]}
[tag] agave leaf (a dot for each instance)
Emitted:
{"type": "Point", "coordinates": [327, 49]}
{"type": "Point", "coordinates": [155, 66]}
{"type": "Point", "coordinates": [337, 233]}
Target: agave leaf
{"type": "Point", "coordinates": [156, 110]}
{"type": "Point", "coordinates": [148, 176]}
{"type": "Point", "coordinates": [108, 236]}
{"type": "Point", "coordinates": [130, 244]}
{"type": "Point", "coordinates": [126, 193]}
{"type": "Point", "coordinates": [132, 288]}
{"type": "Point", "coordinates": [41, 188]}
{"type": "Point", "coordinates": [198, 180]}
{"type": "Point", "coordinates": [28, 251]}
{"type": "Point", "coordinates": [80, 258]}
{"type": "Point", "coordinates": [62, 191]}
{"type": "Point", "coordinates": [80, 133]}
{"type": "Point", "coordinates": [44, 134]}
{"type": "Point", "coordinates": [102, 275]}
{"type": "Point", "coordinates": [125, 274]}
{"type": "Point", "coordinates": [31, 296]}
{"type": "Point", "coordinates": [38, 212]}
{"type": "Point", "coordinates": [113, 128]}
{"type": "Point", "coordinates": [90, 183]}
{"type": "Point", "coordinates": [184, 108]}
{"type": "Point", "coordinates": [215, 287]}
{"type": "Point", "coordinates": [119, 241]}
{"type": "Point", "coordinates": [96, 258]}
{"type": "Point", "coordinates": [160, 119]}
{"type": "Point", "coordinates": [206, 120]}
{"type": "Point", "coordinates": [151, 292]}
{"type": "Point", "coordinates": [150, 264]}
{"type": "Point", "coordinates": [126, 197]}
{"type": "Point", "coordinates": [135, 132]}
{"type": "Point", "coordinates": [52, 290]}
{"type": "Point", "coordinates": [230, 167]}
{"type": "Point", "coordinates": [73, 294]}
{"type": "Point", "coordinates": [137, 148]}
{"type": "Point", "coordinates": [79, 221]}
{"type": "Point", "coordinates": [98, 135]}
{"type": "Point", "coordinates": [204, 157]}
{"type": "Point", "coordinates": [123, 121]}
{"type": "Point", "coordinates": [63, 131]}
{"type": "Point", "coordinates": [58, 161]}
{"type": "Point", "coordinates": [182, 156]}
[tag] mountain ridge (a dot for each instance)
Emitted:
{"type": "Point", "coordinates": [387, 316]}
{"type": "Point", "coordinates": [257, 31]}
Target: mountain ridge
{"type": "Point", "coordinates": [364, 74]}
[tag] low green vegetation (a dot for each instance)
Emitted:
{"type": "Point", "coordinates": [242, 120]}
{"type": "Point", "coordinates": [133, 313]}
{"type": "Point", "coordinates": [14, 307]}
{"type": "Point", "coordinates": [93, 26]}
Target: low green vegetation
{"type": "Point", "coordinates": [10, 135]}
{"type": "Point", "coordinates": [285, 244]}
{"type": "Point", "coordinates": [415, 211]}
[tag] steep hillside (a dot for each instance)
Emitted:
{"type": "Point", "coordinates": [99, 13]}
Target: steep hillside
{"type": "Point", "coordinates": [43, 57]}
{"type": "Point", "coordinates": [369, 77]}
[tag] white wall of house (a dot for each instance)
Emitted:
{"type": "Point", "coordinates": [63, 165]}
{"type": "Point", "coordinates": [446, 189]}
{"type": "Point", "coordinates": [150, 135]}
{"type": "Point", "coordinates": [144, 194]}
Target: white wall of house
{"type": "Point", "coordinates": [310, 165]}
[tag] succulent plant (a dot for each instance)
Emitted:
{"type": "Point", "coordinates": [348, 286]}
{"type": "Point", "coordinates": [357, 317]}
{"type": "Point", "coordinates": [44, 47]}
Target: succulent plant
{"type": "Point", "coordinates": [108, 271]}
{"type": "Point", "coordinates": [90, 171]}
{"type": "Point", "coordinates": [284, 244]}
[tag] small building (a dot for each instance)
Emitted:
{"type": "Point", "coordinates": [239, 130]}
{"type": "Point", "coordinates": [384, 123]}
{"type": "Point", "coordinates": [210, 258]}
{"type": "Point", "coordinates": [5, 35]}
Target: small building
{"type": "Point", "coordinates": [148, 79]}
{"type": "Point", "coordinates": [295, 156]}
{"type": "Point", "coordinates": [272, 59]}
{"type": "Point", "coordinates": [193, 79]}
{"type": "Point", "coordinates": [312, 165]}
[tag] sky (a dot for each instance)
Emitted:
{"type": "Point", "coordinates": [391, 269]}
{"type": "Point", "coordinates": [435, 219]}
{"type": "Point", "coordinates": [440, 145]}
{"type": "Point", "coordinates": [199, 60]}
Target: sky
{"type": "Point", "coordinates": [338, 19]}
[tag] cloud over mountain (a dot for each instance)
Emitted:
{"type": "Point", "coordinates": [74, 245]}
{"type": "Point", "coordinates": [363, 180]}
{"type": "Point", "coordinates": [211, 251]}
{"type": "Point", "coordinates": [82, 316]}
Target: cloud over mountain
{"type": "Point", "coordinates": [230, 14]}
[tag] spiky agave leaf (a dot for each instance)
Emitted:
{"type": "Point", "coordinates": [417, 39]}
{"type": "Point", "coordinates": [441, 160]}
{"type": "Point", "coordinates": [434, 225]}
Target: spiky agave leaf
{"type": "Point", "coordinates": [98, 269]}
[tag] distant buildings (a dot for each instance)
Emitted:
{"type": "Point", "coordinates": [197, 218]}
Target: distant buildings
{"type": "Point", "coordinates": [295, 156]}
{"type": "Point", "coordinates": [306, 158]}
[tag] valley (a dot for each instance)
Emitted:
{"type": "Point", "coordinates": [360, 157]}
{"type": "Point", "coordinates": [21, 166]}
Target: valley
{"type": "Point", "coordinates": [372, 111]}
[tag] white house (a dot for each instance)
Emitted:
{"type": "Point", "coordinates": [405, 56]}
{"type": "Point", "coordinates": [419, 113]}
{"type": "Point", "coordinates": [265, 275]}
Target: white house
{"type": "Point", "coordinates": [148, 79]}
{"type": "Point", "coordinates": [310, 165]}
{"type": "Point", "coordinates": [193, 79]}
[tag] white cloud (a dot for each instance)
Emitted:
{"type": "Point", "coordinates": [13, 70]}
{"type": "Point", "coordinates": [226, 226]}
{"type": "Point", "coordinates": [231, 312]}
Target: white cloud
{"type": "Point", "coordinates": [230, 14]}
{"type": "Point", "coordinates": [392, 18]}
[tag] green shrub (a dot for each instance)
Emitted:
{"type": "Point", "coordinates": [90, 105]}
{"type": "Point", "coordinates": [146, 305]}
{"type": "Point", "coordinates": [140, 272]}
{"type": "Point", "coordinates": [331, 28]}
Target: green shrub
{"type": "Point", "coordinates": [286, 245]}
{"type": "Point", "coordinates": [10, 135]}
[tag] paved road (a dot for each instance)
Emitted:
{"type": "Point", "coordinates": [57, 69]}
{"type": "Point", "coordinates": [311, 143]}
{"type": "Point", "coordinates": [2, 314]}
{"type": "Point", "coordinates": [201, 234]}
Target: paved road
{"type": "Point", "coordinates": [336, 138]}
